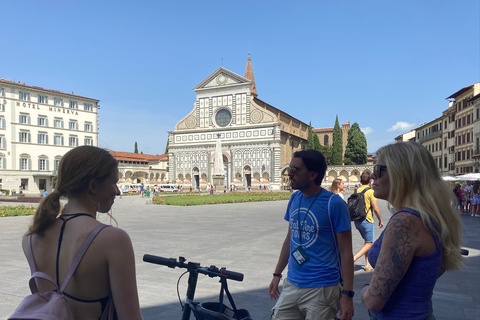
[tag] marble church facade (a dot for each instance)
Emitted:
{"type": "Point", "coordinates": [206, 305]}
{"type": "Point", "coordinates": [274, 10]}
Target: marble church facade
{"type": "Point", "coordinates": [256, 139]}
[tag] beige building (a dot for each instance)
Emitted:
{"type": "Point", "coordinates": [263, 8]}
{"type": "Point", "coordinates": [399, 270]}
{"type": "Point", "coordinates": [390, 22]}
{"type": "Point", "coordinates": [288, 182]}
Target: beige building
{"type": "Point", "coordinates": [430, 135]}
{"type": "Point", "coordinates": [475, 100]}
{"type": "Point", "coordinates": [37, 127]}
{"type": "Point", "coordinates": [464, 125]}
{"type": "Point", "coordinates": [141, 168]}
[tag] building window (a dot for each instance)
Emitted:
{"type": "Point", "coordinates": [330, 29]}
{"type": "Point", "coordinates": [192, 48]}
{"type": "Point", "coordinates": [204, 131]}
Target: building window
{"type": "Point", "coordinates": [42, 99]}
{"type": "Point", "coordinates": [24, 136]}
{"type": "Point", "coordinates": [88, 126]}
{"type": "Point", "coordinates": [88, 141]}
{"type": "Point", "coordinates": [43, 138]}
{"type": "Point", "coordinates": [24, 95]}
{"type": "Point", "coordinates": [3, 165]}
{"type": "Point", "coordinates": [58, 102]}
{"type": "Point", "coordinates": [2, 92]}
{"type": "Point", "coordinates": [88, 107]}
{"type": "Point", "coordinates": [56, 162]}
{"type": "Point", "coordinates": [3, 142]}
{"type": "Point", "coordinates": [73, 141]}
{"type": "Point", "coordinates": [43, 121]}
{"type": "Point", "coordinates": [58, 123]}
{"type": "Point", "coordinates": [3, 123]}
{"type": "Point", "coordinates": [73, 105]}
{"type": "Point", "coordinates": [43, 164]}
{"type": "Point", "coordinates": [73, 125]}
{"type": "Point", "coordinates": [24, 183]}
{"type": "Point", "coordinates": [2, 108]}
{"type": "Point", "coordinates": [24, 118]}
{"type": "Point", "coordinates": [25, 163]}
{"type": "Point", "coordinates": [58, 140]}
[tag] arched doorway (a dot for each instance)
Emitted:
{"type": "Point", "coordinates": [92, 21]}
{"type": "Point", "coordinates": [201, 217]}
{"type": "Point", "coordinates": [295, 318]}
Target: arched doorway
{"type": "Point", "coordinates": [247, 173]}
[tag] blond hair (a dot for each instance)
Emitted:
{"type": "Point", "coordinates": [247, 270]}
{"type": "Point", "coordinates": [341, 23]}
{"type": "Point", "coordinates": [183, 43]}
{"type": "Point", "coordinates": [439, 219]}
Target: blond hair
{"type": "Point", "coordinates": [415, 183]}
{"type": "Point", "coordinates": [334, 186]}
{"type": "Point", "coordinates": [77, 167]}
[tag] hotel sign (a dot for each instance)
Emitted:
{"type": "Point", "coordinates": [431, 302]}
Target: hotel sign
{"type": "Point", "coordinates": [54, 109]}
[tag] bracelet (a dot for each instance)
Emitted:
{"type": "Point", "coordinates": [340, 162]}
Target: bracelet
{"type": "Point", "coordinates": [278, 275]}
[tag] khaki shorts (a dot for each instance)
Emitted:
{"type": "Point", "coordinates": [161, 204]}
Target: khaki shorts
{"type": "Point", "coordinates": [297, 303]}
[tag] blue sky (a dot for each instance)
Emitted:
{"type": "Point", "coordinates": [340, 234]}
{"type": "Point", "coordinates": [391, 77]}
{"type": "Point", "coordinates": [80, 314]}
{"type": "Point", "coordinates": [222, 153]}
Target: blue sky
{"type": "Point", "coordinates": [387, 65]}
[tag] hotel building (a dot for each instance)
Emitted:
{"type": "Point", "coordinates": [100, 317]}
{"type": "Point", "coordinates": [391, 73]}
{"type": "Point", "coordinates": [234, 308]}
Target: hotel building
{"type": "Point", "coordinates": [37, 127]}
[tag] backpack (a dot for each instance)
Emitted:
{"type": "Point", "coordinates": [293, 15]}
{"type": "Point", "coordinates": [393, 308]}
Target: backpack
{"type": "Point", "coordinates": [49, 305]}
{"type": "Point", "coordinates": [356, 205]}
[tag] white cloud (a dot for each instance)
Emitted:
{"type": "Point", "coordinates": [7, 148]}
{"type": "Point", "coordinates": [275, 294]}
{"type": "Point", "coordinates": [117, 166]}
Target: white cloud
{"type": "Point", "coordinates": [401, 126]}
{"type": "Point", "coordinates": [367, 130]}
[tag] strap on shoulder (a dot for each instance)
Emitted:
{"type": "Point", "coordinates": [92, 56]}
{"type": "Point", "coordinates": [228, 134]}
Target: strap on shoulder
{"type": "Point", "coordinates": [30, 259]}
{"type": "Point", "coordinates": [80, 254]}
{"type": "Point", "coordinates": [33, 281]}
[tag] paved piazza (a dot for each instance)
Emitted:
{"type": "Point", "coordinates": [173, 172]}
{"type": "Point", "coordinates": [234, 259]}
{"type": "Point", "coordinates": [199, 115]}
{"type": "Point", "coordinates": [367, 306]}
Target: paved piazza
{"type": "Point", "coordinates": [241, 237]}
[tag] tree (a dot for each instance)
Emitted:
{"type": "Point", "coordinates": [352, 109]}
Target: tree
{"type": "Point", "coordinates": [136, 148]}
{"type": "Point", "coordinates": [310, 141]}
{"type": "Point", "coordinates": [166, 148]}
{"type": "Point", "coordinates": [326, 150]}
{"type": "Point", "coordinates": [356, 150]}
{"type": "Point", "coordinates": [337, 145]}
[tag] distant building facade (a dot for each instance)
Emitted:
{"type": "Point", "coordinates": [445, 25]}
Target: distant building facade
{"type": "Point", "coordinates": [37, 127]}
{"type": "Point", "coordinates": [141, 168]}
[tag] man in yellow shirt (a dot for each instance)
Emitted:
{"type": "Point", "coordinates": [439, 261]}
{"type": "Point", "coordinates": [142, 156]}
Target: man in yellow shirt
{"type": "Point", "coordinates": [365, 227]}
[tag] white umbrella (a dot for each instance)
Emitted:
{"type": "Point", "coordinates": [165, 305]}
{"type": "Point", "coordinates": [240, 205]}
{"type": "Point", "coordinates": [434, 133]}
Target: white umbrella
{"type": "Point", "coordinates": [469, 176]}
{"type": "Point", "coordinates": [449, 178]}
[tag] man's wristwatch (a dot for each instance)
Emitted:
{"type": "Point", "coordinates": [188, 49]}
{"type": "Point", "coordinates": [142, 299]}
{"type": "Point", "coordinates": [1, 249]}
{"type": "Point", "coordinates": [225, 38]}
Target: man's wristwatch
{"type": "Point", "coordinates": [277, 275]}
{"type": "Point", "coordinates": [348, 293]}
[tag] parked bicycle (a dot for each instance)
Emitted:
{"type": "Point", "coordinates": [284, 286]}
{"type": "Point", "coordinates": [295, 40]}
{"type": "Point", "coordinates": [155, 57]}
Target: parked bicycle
{"type": "Point", "coordinates": [206, 310]}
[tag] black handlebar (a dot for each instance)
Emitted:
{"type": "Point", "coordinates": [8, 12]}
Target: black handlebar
{"type": "Point", "coordinates": [211, 271]}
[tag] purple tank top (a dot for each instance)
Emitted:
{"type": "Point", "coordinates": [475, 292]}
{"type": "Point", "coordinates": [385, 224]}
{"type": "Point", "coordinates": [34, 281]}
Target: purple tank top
{"type": "Point", "coordinates": [412, 298]}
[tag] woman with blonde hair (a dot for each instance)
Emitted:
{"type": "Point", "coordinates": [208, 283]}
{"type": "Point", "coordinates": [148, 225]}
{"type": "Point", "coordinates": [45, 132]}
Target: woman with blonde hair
{"type": "Point", "coordinates": [337, 187]}
{"type": "Point", "coordinates": [104, 280]}
{"type": "Point", "coordinates": [422, 239]}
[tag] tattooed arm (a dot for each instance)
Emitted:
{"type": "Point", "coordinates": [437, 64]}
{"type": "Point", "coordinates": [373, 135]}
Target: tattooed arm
{"type": "Point", "coordinates": [400, 242]}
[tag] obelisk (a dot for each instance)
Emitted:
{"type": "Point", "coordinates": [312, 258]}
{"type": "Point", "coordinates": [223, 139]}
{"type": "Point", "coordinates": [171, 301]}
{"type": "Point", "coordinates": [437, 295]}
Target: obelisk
{"type": "Point", "coordinates": [218, 170]}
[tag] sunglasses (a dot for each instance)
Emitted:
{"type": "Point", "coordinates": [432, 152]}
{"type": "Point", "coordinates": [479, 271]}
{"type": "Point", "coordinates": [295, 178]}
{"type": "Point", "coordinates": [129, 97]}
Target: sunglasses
{"type": "Point", "coordinates": [293, 170]}
{"type": "Point", "coordinates": [377, 170]}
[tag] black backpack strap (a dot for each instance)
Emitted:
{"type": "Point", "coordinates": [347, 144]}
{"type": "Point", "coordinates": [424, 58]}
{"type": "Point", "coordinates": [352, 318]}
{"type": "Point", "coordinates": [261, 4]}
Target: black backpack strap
{"type": "Point", "coordinates": [365, 190]}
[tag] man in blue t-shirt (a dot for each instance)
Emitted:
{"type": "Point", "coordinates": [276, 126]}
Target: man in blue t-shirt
{"type": "Point", "coordinates": [319, 227]}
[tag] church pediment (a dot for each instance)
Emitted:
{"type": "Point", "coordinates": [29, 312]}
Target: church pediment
{"type": "Point", "coordinates": [222, 78]}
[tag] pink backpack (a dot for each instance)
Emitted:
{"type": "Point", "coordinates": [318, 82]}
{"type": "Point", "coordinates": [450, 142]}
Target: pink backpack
{"type": "Point", "coordinates": [50, 305]}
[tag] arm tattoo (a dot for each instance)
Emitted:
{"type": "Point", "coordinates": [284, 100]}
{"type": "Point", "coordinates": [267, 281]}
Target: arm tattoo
{"type": "Point", "coordinates": [402, 236]}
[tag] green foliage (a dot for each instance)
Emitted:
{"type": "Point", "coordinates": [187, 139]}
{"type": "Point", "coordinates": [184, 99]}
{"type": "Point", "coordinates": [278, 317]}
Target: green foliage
{"type": "Point", "coordinates": [310, 141]}
{"type": "Point", "coordinates": [327, 153]}
{"type": "Point", "coordinates": [136, 148]}
{"type": "Point", "coordinates": [13, 211]}
{"type": "Point", "coordinates": [237, 197]}
{"type": "Point", "coordinates": [4, 192]}
{"type": "Point", "coordinates": [166, 148]}
{"type": "Point", "coordinates": [337, 145]}
{"type": "Point", "coordinates": [356, 150]}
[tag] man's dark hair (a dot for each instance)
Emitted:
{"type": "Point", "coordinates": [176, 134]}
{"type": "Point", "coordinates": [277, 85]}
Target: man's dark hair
{"type": "Point", "coordinates": [365, 178]}
{"type": "Point", "coordinates": [313, 161]}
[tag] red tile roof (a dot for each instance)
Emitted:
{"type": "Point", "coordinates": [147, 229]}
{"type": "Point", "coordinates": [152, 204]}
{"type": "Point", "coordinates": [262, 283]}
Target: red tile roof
{"type": "Point", "coordinates": [40, 88]}
{"type": "Point", "coordinates": [127, 156]}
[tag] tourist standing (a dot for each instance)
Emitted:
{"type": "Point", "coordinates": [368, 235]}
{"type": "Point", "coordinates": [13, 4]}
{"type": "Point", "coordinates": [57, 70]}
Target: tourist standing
{"type": "Point", "coordinates": [420, 242]}
{"type": "Point", "coordinates": [319, 225]}
{"type": "Point", "coordinates": [337, 187]}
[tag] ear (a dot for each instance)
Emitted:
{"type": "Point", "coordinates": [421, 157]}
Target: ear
{"type": "Point", "coordinates": [92, 186]}
{"type": "Point", "coordinates": [313, 175]}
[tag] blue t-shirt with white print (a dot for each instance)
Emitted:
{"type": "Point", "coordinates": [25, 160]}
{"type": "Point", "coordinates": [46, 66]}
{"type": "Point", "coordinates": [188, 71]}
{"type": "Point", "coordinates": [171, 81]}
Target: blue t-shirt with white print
{"type": "Point", "coordinates": [321, 270]}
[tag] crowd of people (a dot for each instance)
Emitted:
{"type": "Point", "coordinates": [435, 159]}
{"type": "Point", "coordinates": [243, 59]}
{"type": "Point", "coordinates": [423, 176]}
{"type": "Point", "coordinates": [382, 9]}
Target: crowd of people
{"type": "Point", "coordinates": [419, 243]}
{"type": "Point", "coordinates": [468, 197]}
